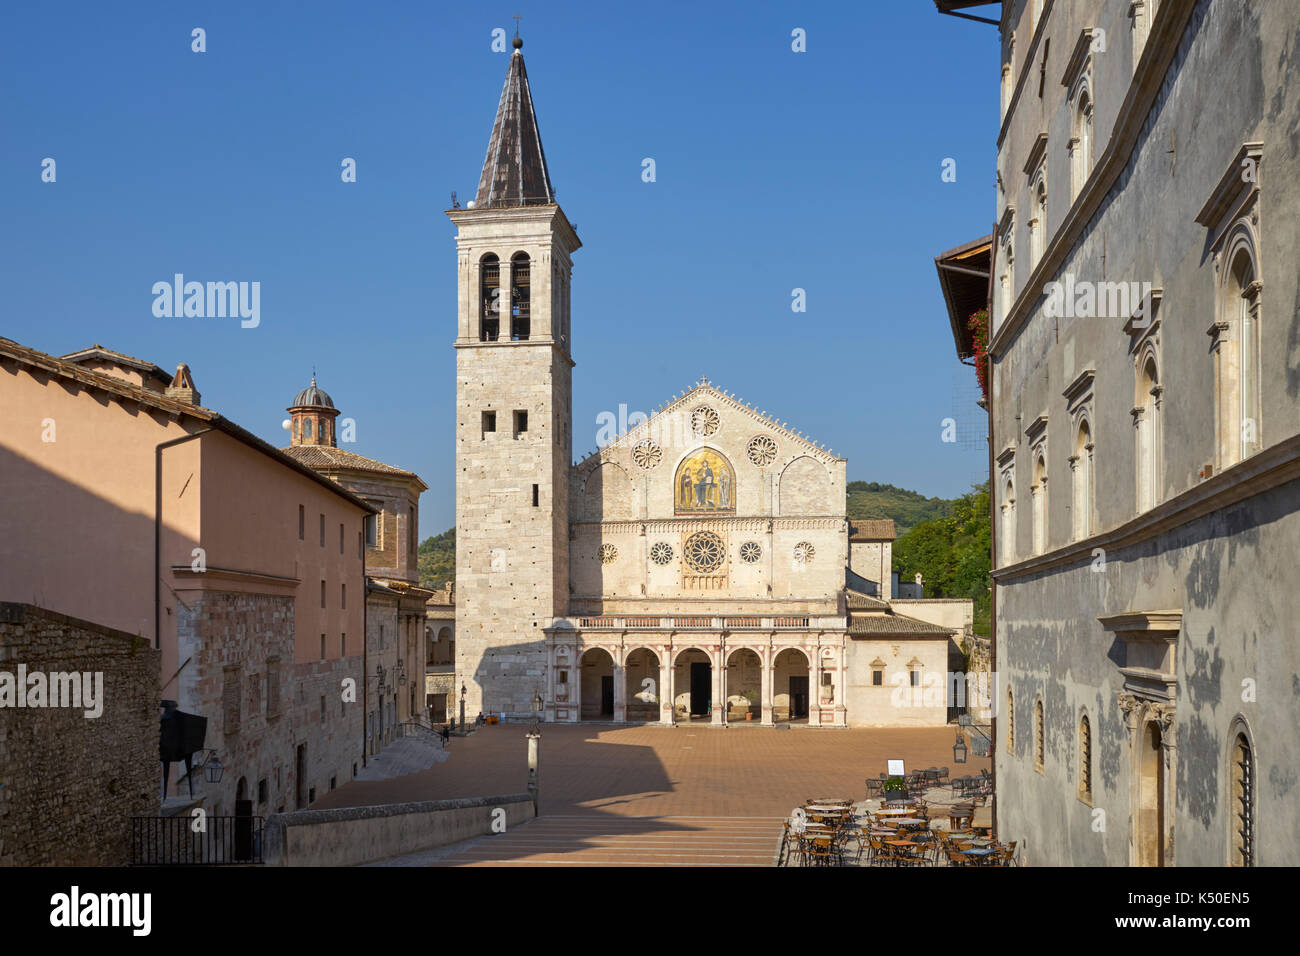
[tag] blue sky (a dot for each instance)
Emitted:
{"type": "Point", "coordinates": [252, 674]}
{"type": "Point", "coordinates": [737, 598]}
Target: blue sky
{"type": "Point", "coordinates": [775, 170]}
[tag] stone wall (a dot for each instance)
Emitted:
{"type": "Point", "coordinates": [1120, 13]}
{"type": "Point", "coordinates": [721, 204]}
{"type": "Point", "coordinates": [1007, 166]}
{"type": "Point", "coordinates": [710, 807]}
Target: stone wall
{"type": "Point", "coordinates": [70, 783]}
{"type": "Point", "coordinates": [357, 835]}
{"type": "Point", "coordinates": [262, 704]}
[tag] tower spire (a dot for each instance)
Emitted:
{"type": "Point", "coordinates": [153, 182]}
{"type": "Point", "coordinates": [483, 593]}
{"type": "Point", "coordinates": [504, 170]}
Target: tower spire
{"type": "Point", "coordinates": [514, 172]}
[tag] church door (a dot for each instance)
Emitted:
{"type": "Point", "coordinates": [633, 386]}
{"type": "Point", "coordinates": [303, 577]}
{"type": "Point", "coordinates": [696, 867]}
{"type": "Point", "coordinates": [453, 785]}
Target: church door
{"type": "Point", "coordinates": [798, 696]}
{"type": "Point", "coordinates": [701, 687]}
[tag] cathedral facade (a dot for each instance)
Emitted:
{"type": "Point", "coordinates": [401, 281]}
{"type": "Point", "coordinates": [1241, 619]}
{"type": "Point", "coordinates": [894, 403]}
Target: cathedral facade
{"type": "Point", "coordinates": [700, 567]}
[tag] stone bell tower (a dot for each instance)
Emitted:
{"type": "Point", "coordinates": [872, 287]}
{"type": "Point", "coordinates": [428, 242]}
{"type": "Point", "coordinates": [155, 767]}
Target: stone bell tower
{"type": "Point", "coordinates": [513, 413]}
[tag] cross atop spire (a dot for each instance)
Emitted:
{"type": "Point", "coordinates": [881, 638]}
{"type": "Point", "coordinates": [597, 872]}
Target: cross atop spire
{"type": "Point", "coordinates": [514, 172]}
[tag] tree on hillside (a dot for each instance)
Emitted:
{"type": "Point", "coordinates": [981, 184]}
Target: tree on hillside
{"type": "Point", "coordinates": [436, 560]}
{"type": "Point", "coordinates": [952, 554]}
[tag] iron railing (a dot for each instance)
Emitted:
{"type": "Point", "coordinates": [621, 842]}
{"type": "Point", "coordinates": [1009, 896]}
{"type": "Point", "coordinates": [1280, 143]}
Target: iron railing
{"type": "Point", "coordinates": [172, 841]}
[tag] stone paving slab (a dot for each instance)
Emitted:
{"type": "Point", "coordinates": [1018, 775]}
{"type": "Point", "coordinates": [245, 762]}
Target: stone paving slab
{"type": "Point", "coordinates": [652, 796]}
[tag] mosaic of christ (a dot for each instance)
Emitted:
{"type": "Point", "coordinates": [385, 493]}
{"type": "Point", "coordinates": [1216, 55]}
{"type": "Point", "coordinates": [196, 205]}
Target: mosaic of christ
{"type": "Point", "coordinates": [705, 484]}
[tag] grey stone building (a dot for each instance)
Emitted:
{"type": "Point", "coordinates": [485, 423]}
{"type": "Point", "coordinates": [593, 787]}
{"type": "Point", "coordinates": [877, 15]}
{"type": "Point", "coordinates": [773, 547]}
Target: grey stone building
{"type": "Point", "coordinates": [1144, 351]}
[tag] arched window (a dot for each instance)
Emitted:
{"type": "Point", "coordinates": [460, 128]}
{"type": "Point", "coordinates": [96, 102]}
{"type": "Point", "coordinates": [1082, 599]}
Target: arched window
{"type": "Point", "coordinates": [1082, 464]}
{"type": "Point", "coordinates": [1038, 228]}
{"type": "Point", "coordinates": [306, 428]}
{"type": "Point", "coordinates": [1146, 414]}
{"type": "Point", "coordinates": [1039, 492]}
{"type": "Point", "coordinates": [1081, 152]}
{"type": "Point", "coordinates": [1007, 281]}
{"type": "Point", "coordinates": [1007, 533]}
{"type": "Point", "coordinates": [520, 298]}
{"type": "Point", "coordinates": [1011, 723]}
{"type": "Point", "coordinates": [489, 298]}
{"type": "Point", "coordinates": [1085, 759]}
{"type": "Point", "coordinates": [1241, 295]}
{"type": "Point", "coordinates": [1039, 735]}
{"type": "Point", "coordinates": [1242, 804]}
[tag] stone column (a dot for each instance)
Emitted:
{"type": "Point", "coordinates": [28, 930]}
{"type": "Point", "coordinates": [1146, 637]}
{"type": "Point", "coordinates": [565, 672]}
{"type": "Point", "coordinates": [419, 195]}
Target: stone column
{"type": "Point", "coordinates": [620, 690]}
{"type": "Point", "coordinates": [666, 689]}
{"type": "Point", "coordinates": [717, 682]}
{"type": "Point", "coordinates": [815, 688]}
{"type": "Point", "coordinates": [575, 684]}
{"type": "Point", "coordinates": [768, 669]}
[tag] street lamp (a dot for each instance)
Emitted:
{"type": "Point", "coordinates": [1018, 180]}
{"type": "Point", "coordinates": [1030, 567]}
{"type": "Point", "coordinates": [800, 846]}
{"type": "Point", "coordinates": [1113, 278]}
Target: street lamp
{"type": "Point", "coordinates": [462, 708]}
{"type": "Point", "coordinates": [538, 704]}
{"type": "Point", "coordinates": [213, 768]}
{"type": "Point", "coordinates": [534, 748]}
{"type": "Point", "coordinates": [959, 749]}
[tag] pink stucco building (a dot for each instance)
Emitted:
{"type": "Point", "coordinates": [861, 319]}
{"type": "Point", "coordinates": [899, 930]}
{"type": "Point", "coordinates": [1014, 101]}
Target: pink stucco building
{"type": "Point", "coordinates": [125, 502]}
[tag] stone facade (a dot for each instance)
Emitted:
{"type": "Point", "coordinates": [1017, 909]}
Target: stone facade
{"type": "Point", "coordinates": [263, 705]}
{"type": "Point", "coordinates": [1147, 470]}
{"type": "Point", "coordinates": [71, 783]}
{"type": "Point", "coordinates": [694, 568]}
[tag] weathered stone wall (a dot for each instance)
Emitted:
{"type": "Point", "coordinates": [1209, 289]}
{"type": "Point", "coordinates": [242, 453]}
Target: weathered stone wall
{"type": "Point", "coordinates": [261, 704]}
{"type": "Point", "coordinates": [1230, 81]}
{"type": "Point", "coordinates": [70, 783]}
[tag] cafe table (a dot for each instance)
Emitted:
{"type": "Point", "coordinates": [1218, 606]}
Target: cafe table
{"type": "Point", "coordinates": [899, 812]}
{"type": "Point", "coordinates": [979, 854]}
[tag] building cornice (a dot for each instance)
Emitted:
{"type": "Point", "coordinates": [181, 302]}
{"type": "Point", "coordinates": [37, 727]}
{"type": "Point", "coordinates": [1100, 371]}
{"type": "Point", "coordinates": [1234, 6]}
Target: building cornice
{"type": "Point", "coordinates": [1260, 473]}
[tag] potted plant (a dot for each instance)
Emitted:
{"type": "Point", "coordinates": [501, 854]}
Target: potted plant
{"type": "Point", "coordinates": [893, 789]}
{"type": "Point", "coordinates": [750, 695]}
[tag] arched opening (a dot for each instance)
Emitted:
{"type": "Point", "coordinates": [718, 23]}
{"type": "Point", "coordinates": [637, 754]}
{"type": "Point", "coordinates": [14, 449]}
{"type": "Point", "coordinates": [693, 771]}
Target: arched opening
{"type": "Point", "coordinates": [489, 298]}
{"type": "Point", "coordinates": [1039, 492]}
{"type": "Point", "coordinates": [520, 298]}
{"type": "Point", "coordinates": [642, 678]}
{"type": "Point", "coordinates": [790, 685]}
{"type": "Point", "coordinates": [1040, 736]}
{"type": "Point", "coordinates": [1082, 156]}
{"type": "Point", "coordinates": [1007, 533]}
{"type": "Point", "coordinates": [744, 685]}
{"type": "Point", "coordinates": [1150, 843]}
{"type": "Point", "coordinates": [1038, 227]}
{"type": "Point", "coordinates": [1082, 482]}
{"type": "Point", "coordinates": [1085, 759]}
{"type": "Point", "coordinates": [693, 685]}
{"type": "Point", "coordinates": [1148, 434]}
{"type": "Point", "coordinates": [1241, 811]}
{"type": "Point", "coordinates": [1011, 723]}
{"type": "Point", "coordinates": [597, 688]}
{"type": "Point", "coordinates": [1243, 301]}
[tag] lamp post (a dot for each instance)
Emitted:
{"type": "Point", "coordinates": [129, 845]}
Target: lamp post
{"type": "Point", "coordinates": [534, 748]}
{"type": "Point", "coordinates": [462, 708]}
{"type": "Point", "coordinates": [213, 768]}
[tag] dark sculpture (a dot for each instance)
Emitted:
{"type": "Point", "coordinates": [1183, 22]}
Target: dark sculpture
{"type": "Point", "coordinates": [180, 736]}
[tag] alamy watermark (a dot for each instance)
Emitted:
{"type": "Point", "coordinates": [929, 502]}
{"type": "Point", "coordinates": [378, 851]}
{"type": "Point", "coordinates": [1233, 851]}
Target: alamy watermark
{"type": "Point", "coordinates": [81, 690]}
{"type": "Point", "coordinates": [213, 300]}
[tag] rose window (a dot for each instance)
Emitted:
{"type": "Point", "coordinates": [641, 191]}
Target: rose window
{"type": "Point", "coordinates": [804, 552]}
{"type": "Point", "coordinates": [608, 554]}
{"type": "Point", "coordinates": [704, 552]}
{"type": "Point", "coordinates": [750, 552]}
{"type": "Point", "coordinates": [647, 454]}
{"type": "Point", "coordinates": [705, 420]}
{"type": "Point", "coordinates": [761, 450]}
{"type": "Point", "coordinates": [661, 553]}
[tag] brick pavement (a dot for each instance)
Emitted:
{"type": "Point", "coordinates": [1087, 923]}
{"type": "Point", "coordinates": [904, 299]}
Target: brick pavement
{"type": "Point", "coordinates": [645, 795]}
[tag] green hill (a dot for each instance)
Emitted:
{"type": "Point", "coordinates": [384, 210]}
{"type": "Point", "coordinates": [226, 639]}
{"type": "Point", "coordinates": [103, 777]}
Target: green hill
{"type": "Point", "coordinates": [870, 499]}
{"type": "Point", "coordinates": [436, 559]}
{"type": "Point", "coordinates": [952, 553]}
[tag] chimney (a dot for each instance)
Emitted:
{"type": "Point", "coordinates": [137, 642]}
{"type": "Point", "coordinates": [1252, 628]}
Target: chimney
{"type": "Point", "coordinates": [182, 387]}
